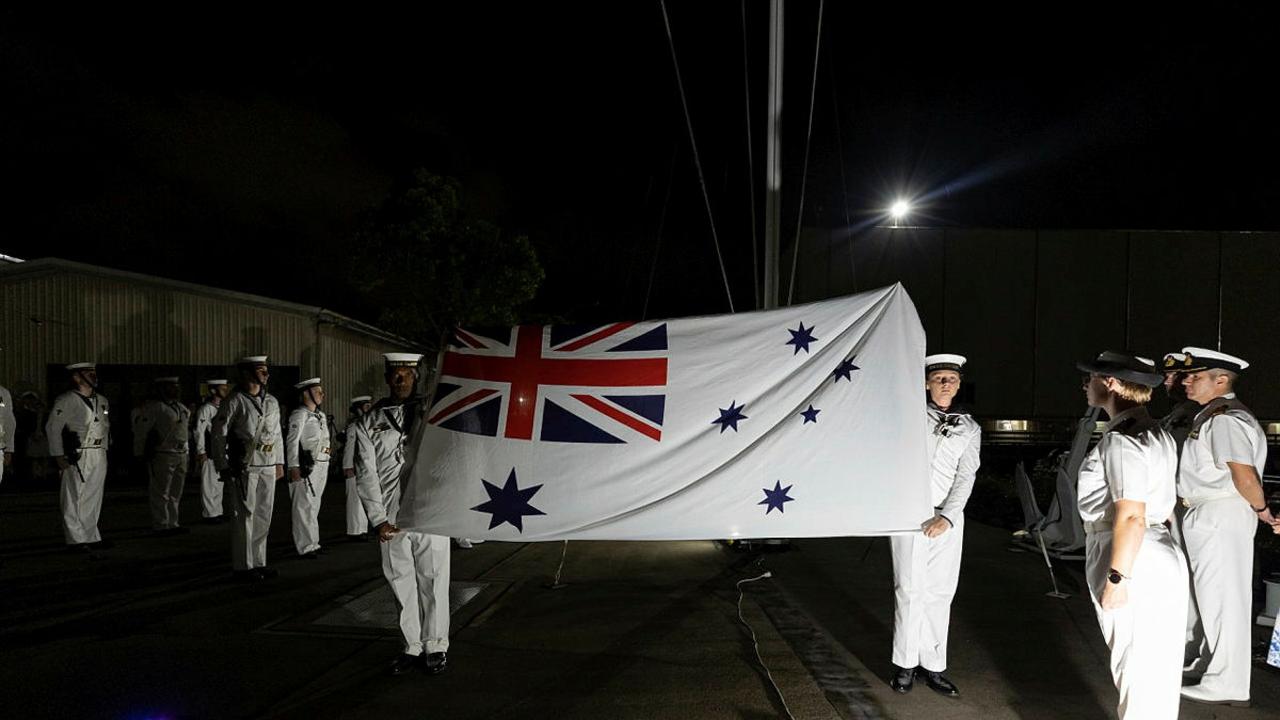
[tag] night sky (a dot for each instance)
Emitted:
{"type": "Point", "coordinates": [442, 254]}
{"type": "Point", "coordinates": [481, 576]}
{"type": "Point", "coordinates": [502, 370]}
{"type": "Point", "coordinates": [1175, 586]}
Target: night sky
{"type": "Point", "coordinates": [237, 147]}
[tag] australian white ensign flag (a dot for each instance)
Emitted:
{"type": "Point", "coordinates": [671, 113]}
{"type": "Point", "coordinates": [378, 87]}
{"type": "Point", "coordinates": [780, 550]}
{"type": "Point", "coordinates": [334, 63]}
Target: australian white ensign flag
{"type": "Point", "coordinates": [806, 421]}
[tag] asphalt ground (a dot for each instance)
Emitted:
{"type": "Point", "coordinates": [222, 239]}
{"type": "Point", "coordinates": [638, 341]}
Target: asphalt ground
{"type": "Point", "coordinates": [155, 628]}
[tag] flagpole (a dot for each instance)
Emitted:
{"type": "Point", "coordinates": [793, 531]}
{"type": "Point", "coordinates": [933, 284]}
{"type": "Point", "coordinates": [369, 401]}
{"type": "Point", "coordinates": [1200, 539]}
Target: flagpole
{"type": "Point", "coordinates": [773, 158]}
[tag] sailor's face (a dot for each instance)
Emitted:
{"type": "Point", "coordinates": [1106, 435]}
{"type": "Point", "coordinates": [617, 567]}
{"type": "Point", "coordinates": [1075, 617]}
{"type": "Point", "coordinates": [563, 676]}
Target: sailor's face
{"type": "Point", "coordinates": [90, 377]}
{"type": "Point", "coordinates": [364, 408]}
{"type": "Point", "coordinates": [942, 386]}
{"type": "Point", "coordinates": [317, 395]}
{"type": "Point", "coordinates": [261, 374]}
{"type": "Point", "coordinates": [400, 382]}
{"type": "Point", "coordinates": [222, 391]}
{"type": "Point", "coordinates": [170, 391]}
{"type": "Point", "coordinates": [1201, 386]}
{"type": "Point", "coordinates": [1095, 389]}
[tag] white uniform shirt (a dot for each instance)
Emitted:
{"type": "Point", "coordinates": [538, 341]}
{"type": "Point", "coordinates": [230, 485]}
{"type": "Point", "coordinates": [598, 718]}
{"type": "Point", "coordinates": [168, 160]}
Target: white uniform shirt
{"type": "Point", "coordinates": [169, 420]}
{"type": "Point", "coordinates": [255, 422]}
{"type": "Point", "coordinates": [349, 446]}
{"type": "Point", "coordinates": [954, 442]}
{"type": "Point", "coordinates": [308, 431]}
{"type": "Point", "coordinates": [381, 436]}
{"type": "Point", "coordinates": [8, 423]}
{"type": "Point", "coordinates": [1227, 436]}
{"type": "Point", "coordinates": [1136, 459]}
{"type": "Point", "coordinates": [88, 417]}
{"type": "Point", "coordinates": [202, 425]}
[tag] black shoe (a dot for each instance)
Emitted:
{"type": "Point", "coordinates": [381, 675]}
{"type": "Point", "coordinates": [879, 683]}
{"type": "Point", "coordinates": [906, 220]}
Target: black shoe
{"type": "Point", "coordinates": [903, 679]}
{"type": "Point", "coordinates": [101, 545]}
{"type": "Point", "coordinates": [245, 576]}
{"type": "Point", "coordinates": [361, 538]}
{"type": "Point", "coordinates": [404, 663]}
{"type": "Point", "coordinates": [79, 548]}
{"type": "Point", "coordinates": [939, 684]}
{"type": "Point", "coordinates": [313, 555]}
{"type": "Point", "coordinates": [435, 663]}
{"type": "Point", "coordinates": [179, 530]}
{"type": "Point", "coordinates": [215, 520]}
{"type": "Point", "coordinates": [264, 573]}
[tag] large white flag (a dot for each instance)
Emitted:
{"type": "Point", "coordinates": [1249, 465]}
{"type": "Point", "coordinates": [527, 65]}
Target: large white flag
{"type": "Point", "coordinates": [807, 421]}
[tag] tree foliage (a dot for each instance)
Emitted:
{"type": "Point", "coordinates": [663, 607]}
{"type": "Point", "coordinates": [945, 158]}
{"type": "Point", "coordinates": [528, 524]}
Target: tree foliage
{"type": "Point", "coordinates": [427, 267]}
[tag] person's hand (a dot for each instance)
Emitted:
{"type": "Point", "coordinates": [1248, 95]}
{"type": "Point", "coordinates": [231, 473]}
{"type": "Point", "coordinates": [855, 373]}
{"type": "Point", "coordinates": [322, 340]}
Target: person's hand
{"type": "Point", "coordinates": [1115, 596]}
{"type": "Point", "coordinates": [936, 527]}
{"type": "Point", "coordinates": [62, 463]}
{"type": "Point", "coordinates": [385, 531]}
{"type": "Point", "coordinates": [279, 471]}
{"type": "Point", "coordinates": [200, 460]}
{"type": "Point", "coordinates": [1266, 517]}
{"type": "Point", "coordinates": [349, 473]}
{"type": "Point", "coordinates": [295, 475]}
{"type": "Point", "coordinates": [8, 459]}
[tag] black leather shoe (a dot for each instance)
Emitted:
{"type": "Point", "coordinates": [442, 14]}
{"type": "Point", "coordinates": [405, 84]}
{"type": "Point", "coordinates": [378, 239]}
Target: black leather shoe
{"type": "Point", "coordinates": [404, 663]}
{"type": "Point", "coordinates": [246, 576]}
{"type": "Point", "coordinates": [361, 538]}
{"type": "Point", "coordinates": [102, 545]}
{"type": "Point", "coordinates": [939, 684]}
{"type": "Point", "coordinates": [265, 573]}
{"type": "Point", "coordinates": [435, 663]}
{"type": "Point", "coordinates": [313, 555]}
{"type": "Point", "coordinates": [903, 679]}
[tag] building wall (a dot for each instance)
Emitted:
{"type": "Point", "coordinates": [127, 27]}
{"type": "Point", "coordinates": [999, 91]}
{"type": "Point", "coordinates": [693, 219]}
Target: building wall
{"type": "Point", "coordinates": [350, 363]}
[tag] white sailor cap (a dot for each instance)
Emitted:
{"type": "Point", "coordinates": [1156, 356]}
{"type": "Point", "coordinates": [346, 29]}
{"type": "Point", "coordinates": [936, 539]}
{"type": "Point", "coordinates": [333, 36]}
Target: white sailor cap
{"type": "Point", "coordinates": [1205, 359]}
{"type": "Point", "coordinates": [82, 366]}
{"type": "Point", "coordinates": [170, 380]}
{"type": "Point", "coordinates": [360, 399]}
{"type": "Point", "coordinates": [400, 359]}
{"type": "Point", "coordinates": [1175, 361]}
{"type": "Point", "coordinates": [216, 382]}
{"type": "Point", "coordinates": [310, 382]}
{"type": "Point", "coordinates": [252, 360]}
{"type": "Point", "coordinates": [944, 361]}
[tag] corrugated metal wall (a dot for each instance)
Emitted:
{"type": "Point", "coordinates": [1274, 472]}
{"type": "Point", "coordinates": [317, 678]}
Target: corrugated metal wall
{"type": "Point", "coordinates": [350, 364]}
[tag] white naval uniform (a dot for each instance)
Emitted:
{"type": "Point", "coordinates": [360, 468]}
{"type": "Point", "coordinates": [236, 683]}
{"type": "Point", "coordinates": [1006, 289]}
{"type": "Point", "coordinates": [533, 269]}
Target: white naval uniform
{"type": "Point", "coordinates": [167, 469]}
{"type": "Point", "coordinates": [212, 500]}
{"type": "Point", "coordinates": [82, 482]}
{"type": "Point", "coordinates": [415, 564]}
{"type": "Point", "coordinates": [357, 520]}
{"type": "Point", "coordinates": [1218, 531]}
{"type": "Point", "coordinates": [926, 571]}
{"type": "Point", "coordinates": [8, 426]}
{"type": "Point", "coordinates": [252, 424]}
{"type": "Point", "coordinates": [1137, 460]}
{"type": "Point", "coordinates": [308, 431]}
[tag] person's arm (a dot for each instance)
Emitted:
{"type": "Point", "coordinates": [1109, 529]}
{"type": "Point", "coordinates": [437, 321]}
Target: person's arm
{"type": "Point", "coordinates": [53, 428]}
{"type": "Point", "coordinates": [1126, 463]}
{"type": "Point", "coordinates": [966, 475]}
{"type": "Point", "coordinates": [368, 484]}
{"type": "Point", "coordinates": [278, 450]}
{"type": "Point", "coordinates": [200, 421]}
{"type": "Point", "coordinates": [219, 427]}
{"type": "Point", "coordinates": [8, 425]}
{"type": "Point", "coordinates": [292, 443]}
{"type": "Point", "coordinates": [1231, 441]}
{"type": "Point", "coordinates": [349, 450]}
{"type": "Point", "coordinates": [1128, 530]}
{"type": "Point", "coordinates": [141, 429]}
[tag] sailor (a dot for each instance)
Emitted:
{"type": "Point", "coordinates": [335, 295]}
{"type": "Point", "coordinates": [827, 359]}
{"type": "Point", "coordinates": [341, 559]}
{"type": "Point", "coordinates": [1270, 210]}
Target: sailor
{"type": "Point", "coordinates": [1136, 574]}
{"type": "Point", "coordinates": [8, 430]}
{"type": "Point", "coordinates": [1182, 411]}
{"type": "Point", "coordinates": [926, 567]}
{"type": "Point", "coordinates": [79, 431]}
{"type": "Point", "coordinates": [415, 564]}
{"type": "Point", "coordinates": [357, 520]}
{"type": "Point", "coordinates": [213, 502]}
{"type": "Point", "coordinates": [306, 452]}
{"type": "Point", "coordinates": [160, 439]}
{"type": "Point", "coordinates": [1219, 481]}
{"type": "Point", "coordinates": [248, 451]}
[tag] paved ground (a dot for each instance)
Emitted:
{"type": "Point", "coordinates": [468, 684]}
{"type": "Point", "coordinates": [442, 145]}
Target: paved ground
{"type": "Point", "coordinates": [154, 629]}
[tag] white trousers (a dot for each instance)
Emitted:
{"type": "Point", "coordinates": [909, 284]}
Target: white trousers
{"type": "Point", "coordinates": [306, 509]}
{"type": "Point", "coordinates": [417, 567]}
{"type": "Point", "coordinates": [1146, 635]}
{"type": "Point", "coordinates": [212, 504]}
{"type": "Point", "coordinates": [255, 497]}
{"type": "Point", "coordinates": [1219, 543]}
{"type": "Point", "coordinates": [168, 473]}
{"type": "Point", "coordinates": [357, 521]}
{"type": "Point", "coordinates": [926, 572]}
{"type": "Point", "coordinates": [81, 497]}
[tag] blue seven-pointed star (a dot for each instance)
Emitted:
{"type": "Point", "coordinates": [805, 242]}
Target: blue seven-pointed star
{"type": "Point", "coordinates": [801, 339]}
{"type": "Point", "coordinates": [776, 497]}
{"type": "Point", "coordinates": [508, 504]}
{"type": "Point", "coordinates": [729, 418]}
{"type": "Point", "coordinates": [810, 415]}
{"type": "Point", "coordinates": [845, 370]}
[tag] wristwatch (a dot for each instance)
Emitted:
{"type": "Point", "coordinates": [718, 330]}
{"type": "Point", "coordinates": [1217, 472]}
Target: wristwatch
{"type": "Point", "coordinates": [1114, 576]}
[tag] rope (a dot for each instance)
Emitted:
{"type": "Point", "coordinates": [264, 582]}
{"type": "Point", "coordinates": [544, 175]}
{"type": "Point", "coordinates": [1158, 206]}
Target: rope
{"type": "Point", "coordinates": [657, 246]}
{"type": "Point", "coordinates": [844, 184]}
{"type": "Point", "coordinates": [813, 89]}
{"type": "Point", "coordinates": [751, 165]}
{"type": "Point", "coordinates": [706, 198]}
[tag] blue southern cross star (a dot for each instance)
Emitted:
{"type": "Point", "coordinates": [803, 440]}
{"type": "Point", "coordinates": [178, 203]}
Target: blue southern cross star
{"type": "Point", "coordinates": [729, 418]}
{"type": "Point", "coordinates": [508, 504]}
{"type": "Point", "coordinates": [776, 497]}
{"type": "Point", "coordinates": [845, 370]}
{"type": "Point", "coordinates": [801, 339]}
{"type": "Point", "coordinates": [810, 416]}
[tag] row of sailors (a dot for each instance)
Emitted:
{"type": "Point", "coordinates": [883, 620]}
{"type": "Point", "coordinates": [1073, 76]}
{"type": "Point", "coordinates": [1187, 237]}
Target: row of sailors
{"type": "Point", "coordinates": [242, 453]}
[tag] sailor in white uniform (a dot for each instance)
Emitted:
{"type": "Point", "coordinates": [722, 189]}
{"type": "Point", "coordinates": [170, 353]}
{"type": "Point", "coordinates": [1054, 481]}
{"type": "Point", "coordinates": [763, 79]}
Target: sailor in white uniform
{"type": "Point", "coordinates": [415, 564]}
{"type": "Point", "coordinates": [248, 451]}
{"type": "Point", "coordinates": [160, 439]}
{"type": "Point", "coordinates": [306, 452]}
{"type": "Point", "coordinates": [357, 520]}
{"type": "Point", "coordinates": [214, 505]}
{"type": "Point", "coordinates": [1137, 575]}
{"type": "Point", "coordinates": [79, 431]}
{"type": "Point", "coordinates": [8, 426]}
{"type": "Point", "coordinates": [926, 567]}
{"type": "Point", "coordinates": [1220, 483]}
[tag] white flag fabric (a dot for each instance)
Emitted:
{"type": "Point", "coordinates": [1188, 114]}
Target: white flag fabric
{"type": "Point", "coordinates": [807, 421]}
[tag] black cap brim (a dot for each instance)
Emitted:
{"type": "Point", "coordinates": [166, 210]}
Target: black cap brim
{"type": "Point", "coordinates": [1149, 379]}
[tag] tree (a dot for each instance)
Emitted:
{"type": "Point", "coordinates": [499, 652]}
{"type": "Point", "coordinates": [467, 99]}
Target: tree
{"type": "Point", "coordinates": [427, 267]}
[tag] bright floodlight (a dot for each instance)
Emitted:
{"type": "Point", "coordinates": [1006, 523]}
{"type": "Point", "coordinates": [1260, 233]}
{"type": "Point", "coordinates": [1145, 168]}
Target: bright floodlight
{"type": "Point", "coordinates": [899, 210]}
